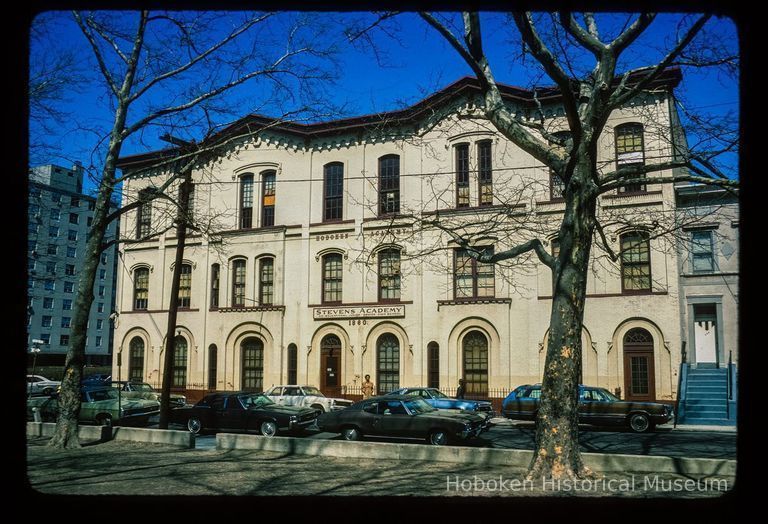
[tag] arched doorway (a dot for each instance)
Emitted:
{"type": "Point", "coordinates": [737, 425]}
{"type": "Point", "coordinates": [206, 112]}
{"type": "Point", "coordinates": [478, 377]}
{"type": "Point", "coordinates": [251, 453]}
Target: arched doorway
{"type": "Point", "coordinates": [252, 350]}
{"type": "Point", "coordinates": [330, 366]}
{"type": "Point", "coordinates": [136, 360]}
{"type": "Point", "coordinates": [639, 372]}
{"type": "Point", "coordinates": [475, 363]}
{"type": "Point", "coordinates": [387, 363]}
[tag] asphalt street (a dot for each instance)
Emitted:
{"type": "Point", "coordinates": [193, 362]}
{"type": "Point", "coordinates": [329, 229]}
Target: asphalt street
{"type": "Point", "coordinates": [664, 441]}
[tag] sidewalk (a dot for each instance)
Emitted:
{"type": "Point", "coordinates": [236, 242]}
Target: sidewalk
{"type": "Point", "coordinates": [500, 421]}
{"type": "Point", "coordinates": [131, 468]}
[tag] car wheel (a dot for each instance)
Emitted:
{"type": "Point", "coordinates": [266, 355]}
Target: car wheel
{"type": "Point", "coordinates": [639, 423]}
{"type": "Point", "coordinates": [194, 425]}
{"type": "Point", "coordinates": [351, 434]}
{"type": "Point", "coordinates": [268, 428]}
{"type": "Point", "coordinates": [318, 407]}
{"type": "Point", "coordinates": [438, 437]}
{"type": "Point", "coordinates": [104, 420]}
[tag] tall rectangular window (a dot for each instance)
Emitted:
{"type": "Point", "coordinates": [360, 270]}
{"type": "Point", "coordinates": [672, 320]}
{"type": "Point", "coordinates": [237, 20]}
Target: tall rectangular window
{"type": "Point", "coordinates": [462, 175]}
{"type": "Point", "coordinates": [74, 218]}
{"type": "Point", "coordinates": [185, 286]}
{"type": "Point", "coordinates": [66, 322]}
{"type": "Point", "coordinates": [473, 279]}
{"type": "Point", "coordinates": [433, 365]}
{"type": "Point", "coordinates": [66, 304]}
{"type": "Point", "coordinates": [635, 262]}
{"type": "Point", "coordinates": [141, 288]}
{"type": "Point", "coordinates": [69, 287]}
{"type": "Point", "coordinates": [268, 199]}
{"type": "Point", "coordinates": [702, 252]}
{"type": "Point", "coordinates": [53, 231]}
{"type": "Point", "coordinates": [630, 152]}
{"type": "Point", "coordinates": [389, 275]}
{"type": "Point", "coordinates": [332, 274]}
{"type": "Point", "coordinates": [246, 201]}
{"type": "Point", "coordinates": [266, 281]}
{"type": "Point", "coordinates": [69, 269]}
{"type": "Point", "coordinates": [333, 178]}
{"type": "Point", "coordinates": [215, 270]}
{"type": "Point", "coordinates": [485, 172]}
{"type": "Point", "coordinates": [238, 283]}
{"type": "Point", "coordinates": [48, 303]}
{"type": "Point", "coordinates": [389, 185]}
{"type": "Point", "coordinates": [46, 321]}
{"type": "Point", "coordinates": [72, 235]}
{"type": "Point", "coordinates": [71, 251]}
{"type": "Point", "coordinates": [55, 214]}
{"type": "Point", "coordinates": [64, 340]}
{"type": "Point", "coordinates": [144, 214]}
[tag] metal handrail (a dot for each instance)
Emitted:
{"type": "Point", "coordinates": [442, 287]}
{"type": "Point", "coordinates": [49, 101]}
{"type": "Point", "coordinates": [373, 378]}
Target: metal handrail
{"type": "Point", "coordinates": [730, 376]}
{"type": "Point", "coordinates": [679, 384]}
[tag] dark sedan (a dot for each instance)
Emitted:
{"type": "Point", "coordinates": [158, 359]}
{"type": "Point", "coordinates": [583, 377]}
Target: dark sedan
{"type": "Point", "coordinates": [597, 406]}
{"type": "Point", "coordinates": [243, 411]}
{"type": "Point", "coordinates": [437, 399]}
{"type": "Point", "coordinates": [401, 416]}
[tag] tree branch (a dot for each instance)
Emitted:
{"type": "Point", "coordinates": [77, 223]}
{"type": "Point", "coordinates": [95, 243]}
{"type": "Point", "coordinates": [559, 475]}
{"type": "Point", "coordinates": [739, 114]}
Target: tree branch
{"type": "Point", "coordinates": [100, 59]}
{"type": "Point", "coordinates": [199, 57]}
{"type": "Point", "coordinates": [616, 99]}
{"type": "Point", "coordinates": [532, 245]}
{"type": "Point", "coordinates": [540, 51]}
{"type": "Point", "coordinates": [587, 40]}
{"type": "Point", "coordinates": [604, 241]}
{"type": "Point", "coordinates": [100, 30]}
{"type": "Point", "coordinates": [625, 39]}
{"type": "Point", "coordinates": [456, 44]}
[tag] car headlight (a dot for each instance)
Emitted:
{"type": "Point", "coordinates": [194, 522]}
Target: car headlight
{"type": "Point", "coordinates": [293, 418]}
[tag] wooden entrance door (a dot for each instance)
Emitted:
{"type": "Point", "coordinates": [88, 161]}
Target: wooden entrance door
{"type": "Point", "coordinates": [639, 371]}
{"type": "Point", "coordinates": [330, 366]}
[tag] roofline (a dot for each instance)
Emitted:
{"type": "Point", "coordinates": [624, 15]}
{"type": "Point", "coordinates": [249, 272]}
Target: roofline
{"type": "Point", "coordinates": [670, 77]}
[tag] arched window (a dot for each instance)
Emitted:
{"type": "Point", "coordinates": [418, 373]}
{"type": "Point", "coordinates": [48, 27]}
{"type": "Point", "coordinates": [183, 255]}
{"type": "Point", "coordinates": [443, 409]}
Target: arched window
{"type": "Point", "coordinates": [387, 363]}
{"type": "Point", "coordinates": [268, 199]}
{"type": "Point", "coordinates": [140, 288]}
{"type": "Point", "coordinates": [389, 275]}
{"type": "Point", "coordinates": [333, 192]}
{"type": "Point", "coordinates": [246, 201]}
{"type": "Point", "coordinates": [136, 360]}
{"type": "Point", "coordinates": [238, 283]}
{"type": "Point", "coordinates": [332, 274]}
{"type": "Point", "coordinates": [185, 286]}
{"type": "Point", "coordinates": [180, 363]}
{"type": "Point", "coordinates": [293, 364]}
{"type": "Point", "coordinates": [475, 363]}
{"type": "Point", "coordinates": [389, 185]}
{"type": "Point", "coordinates": [635, 262]}
{"type": "Point", "coordinates": [213, 356]}
{"type": "Point", "coordinates": [433, 365]}
{"type": "Point", "coordinates": [630, 151]}
{"type": "Point", "coordinates": [144, 214]}
{"type": "Point", "coordinates": [215, 279]}
{"type": "Point", "coordinates": [462, 175]}
{"type": "Point", "coordinates": [252, 350]}
{"type": "Point", "coordinates": [485, 172]}
{"type": "Point", "coordinates": [266, 281]}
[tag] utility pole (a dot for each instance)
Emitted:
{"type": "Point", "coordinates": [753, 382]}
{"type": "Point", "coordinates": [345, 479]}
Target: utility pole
{"type": "Point", "coordinates": [182, 215]}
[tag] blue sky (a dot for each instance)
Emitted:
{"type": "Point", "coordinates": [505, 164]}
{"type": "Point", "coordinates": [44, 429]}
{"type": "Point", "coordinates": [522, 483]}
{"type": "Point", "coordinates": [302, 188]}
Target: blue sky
{"type": "Point", "coordinates": [414, 65]}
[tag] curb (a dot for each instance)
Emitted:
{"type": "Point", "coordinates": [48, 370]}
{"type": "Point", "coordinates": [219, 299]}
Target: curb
{"type": "Point", "coordinates": [183, 439]}
{"type": "Point", "coordinates": [605, 463]}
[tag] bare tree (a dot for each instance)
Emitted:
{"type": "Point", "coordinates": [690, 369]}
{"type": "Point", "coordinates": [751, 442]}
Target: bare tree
{"type": "Point", "coordinates": [170, 71]}
{"type": "Point", "coordinates": [560, 45]}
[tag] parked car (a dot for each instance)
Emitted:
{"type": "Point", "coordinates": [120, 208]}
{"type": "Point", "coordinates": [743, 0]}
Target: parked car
{"type": "Point", "coordinates": [130, 389]}
{"type": "Point", "coordinates": [597, 406]}
{"type": "Point", "coordinates": [97, 379]}
{"type": "Point", "coordinates": [437, 399]}
{"type": "Point", "coordinates": [39, 385]}
{"type": "Point", "coordinates": [99, 405]}
{"type": "Point", "coordinates": [243, 411]}
{"type": "Point", "coordinates": [305, 396]}
{"type": "Point", "coordinates": [403, 417]}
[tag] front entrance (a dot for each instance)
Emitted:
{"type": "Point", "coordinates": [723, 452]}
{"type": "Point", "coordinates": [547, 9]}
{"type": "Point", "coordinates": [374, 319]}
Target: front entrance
{"type": "Point", "coordinates": [330, 366]}
{"type": "Point", "coordinates": [705, 333]}
{"type": "Point", "coordinates": [639, 372]}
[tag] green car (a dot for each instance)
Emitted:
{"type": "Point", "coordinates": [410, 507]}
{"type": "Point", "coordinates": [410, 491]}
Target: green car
{"type": "Point", "coordinates": [143, 390]}
{"type": "Point", "coordinates": [99, 405]}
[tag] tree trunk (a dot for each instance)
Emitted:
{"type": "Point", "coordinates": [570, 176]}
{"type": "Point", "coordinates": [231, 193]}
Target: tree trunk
{"type": "Point", "coordinates": [170, 339]}
{"type": "Point", "coordinates": [66, 433]}
{"type": "Point", "coordinates": [557, 432]}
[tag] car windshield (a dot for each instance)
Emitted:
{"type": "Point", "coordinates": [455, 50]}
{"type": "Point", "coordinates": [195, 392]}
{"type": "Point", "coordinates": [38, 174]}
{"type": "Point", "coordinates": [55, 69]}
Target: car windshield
{"type": "Point", "coordinates": [102, 394]}
{"type": "Point", "coordinates": [436, 393]}
{"type": "Point", "coordinates": [417, 406]}
{"type": "Point", "coordinates": [141, 386]}
{"type": "Point", "coordinates": [255, 400]}
{"type": "Point", "coordinates": [610, 397]}
{"type": "Point", "coordinates": [311, 390]}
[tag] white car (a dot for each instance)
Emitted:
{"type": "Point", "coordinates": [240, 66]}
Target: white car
{"type": "Point", "coordinates": [306, 396]}
{"type": "Point", "coordinates": [39, 385]}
